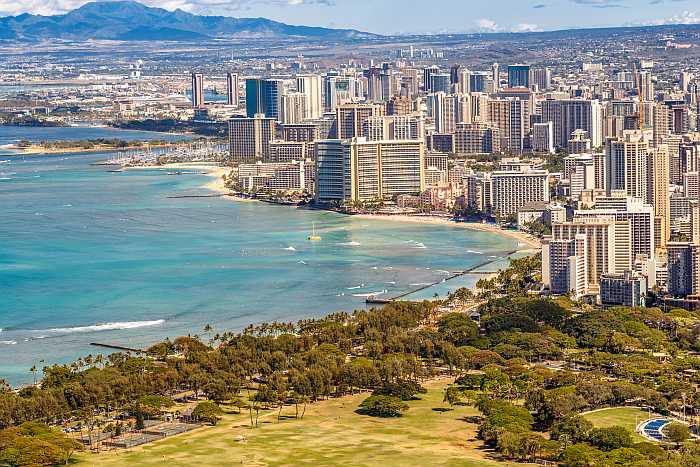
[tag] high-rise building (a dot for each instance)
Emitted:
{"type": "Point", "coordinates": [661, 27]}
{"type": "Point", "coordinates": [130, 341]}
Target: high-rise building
{"type": "Point", "coordinates": [477, 138]}
{"type": "Point", "coordinates": [512, 117]}
{"type": "Point", "coordinates": [579, 143]}
{"type": "Point", "coordinates": [495, 78]}
{"type": "Point", "coordinates": [608, 246]}
{"type": "Point", "coordinates": [624, 208]}
{"type": "Point", "coordinates": [628, 165]}
{"type": "Point", "coordinates": [542, 77]}
{"type": "Point", "coordinates": [350, 117]}
{"type": "Point", "coordinates": [292, 108]}
{"type": "Point", "coordinates": [198, 90]}
{"type": "Point", "coordinates": [311, 87]}
{"type": "Point", "coordinates": [427, 77]}
{"type": "Point", "coordinates": [249, 138]}
{"type": "Point", "coordinates": [263, 96]}
{"type": "Point", "coordinates": [464, 81]}
{"type": "Point", "coordinates": [543, 138]}
{"type": "Point", "coordinates": [359, 170]}
{"type": "Point", "coordinates": [440, 82]}
{"type": "Point", "coordinates": [627, 289]}
{"type": "Point", "coordinates": [569, 115]}
{"type": "Point", "coordinates": [518, 76]}
{"type": "Point", "coordinates": [449, 110]}
{"type": "Point", "coordinates": [232, 89]}
{"type": "Point", "coordinates": [512, 190]}
{"type": "Point", "coordinates": [477, 82]}
{"type": "Point", "coordinates": [683, 269]}
{"type": "Point", "coordinates": [685, 79]}
{"type": "Point", "coordinates": [660, 196]}
{"type": "Point", "coordinates": [393, 127]}
{"type": "Point", "coordinates": [565, 265]}
{"type": "Point", "coordinates": [340, 90]}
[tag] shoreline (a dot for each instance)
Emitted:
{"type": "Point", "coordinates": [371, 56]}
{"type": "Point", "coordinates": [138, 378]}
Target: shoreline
{"type": "Point", "coordinates": [527, 239]}
{"type": "Point", "coordinates": [35, 149]}
{"type": "Point", "coordinates": [212, 171]}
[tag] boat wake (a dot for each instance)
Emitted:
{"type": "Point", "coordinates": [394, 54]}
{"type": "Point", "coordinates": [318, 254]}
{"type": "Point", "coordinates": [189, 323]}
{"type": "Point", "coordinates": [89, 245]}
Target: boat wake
{"type": "Point", "coordinates": [290, 248]}
{"type": "Point", "coordinates": [356, 287]}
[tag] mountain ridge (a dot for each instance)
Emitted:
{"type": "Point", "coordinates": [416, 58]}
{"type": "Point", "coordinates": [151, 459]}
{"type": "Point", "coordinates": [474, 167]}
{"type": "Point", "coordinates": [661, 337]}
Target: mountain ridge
{"type": "Point", "coordinates": [127, 20]}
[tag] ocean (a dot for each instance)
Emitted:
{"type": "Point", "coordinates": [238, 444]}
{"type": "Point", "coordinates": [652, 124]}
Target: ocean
{"type": "Point", "coordinates": [87, 255]}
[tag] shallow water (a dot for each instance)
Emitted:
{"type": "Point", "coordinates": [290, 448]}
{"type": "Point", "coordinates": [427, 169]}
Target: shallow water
{"type": "Point", "coordinates": [92, 256]}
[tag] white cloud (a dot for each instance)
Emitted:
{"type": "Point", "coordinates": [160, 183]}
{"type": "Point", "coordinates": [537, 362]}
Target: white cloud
{"type": "Point", "coordinates": [684, 17]}
{"type": "Point", "coordinates": [526, 27]}
{"type": "Point", "coordinates": [487, 25]}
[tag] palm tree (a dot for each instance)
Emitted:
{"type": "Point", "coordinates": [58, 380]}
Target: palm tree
{"type": "Point", "coordinates": [33, 370]}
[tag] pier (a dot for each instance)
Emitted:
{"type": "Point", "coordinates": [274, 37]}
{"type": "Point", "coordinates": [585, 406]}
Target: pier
{"type": "Point", "coordinates": [117, 347]}
{"type": "Point", "coordinates": [383, 301]}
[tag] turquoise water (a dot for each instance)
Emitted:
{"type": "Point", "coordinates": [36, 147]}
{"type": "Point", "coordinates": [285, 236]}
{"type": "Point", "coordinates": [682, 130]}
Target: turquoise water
{"type": "Point", "coordinates": [87, 255]}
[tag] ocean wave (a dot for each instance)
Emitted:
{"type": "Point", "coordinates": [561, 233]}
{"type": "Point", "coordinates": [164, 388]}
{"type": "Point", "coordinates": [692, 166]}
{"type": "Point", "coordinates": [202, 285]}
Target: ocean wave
{"type": "Point", "coordinates": [443, 272]}
{"type": "Point", "coordinates": [475, 252]}
{"type": "Point", "coordinates": [290, 248]}
{"type": "Point", "coordinates": [105, 327]}
{"type": "Point", "coordinates": [356, 287]}
{"type": "Point", "coordinates": [420, 284]}
{"type": "Point", "coordinates": [349, 244]}
{"type": "Point", "coordinates": [8, 342]}
{"type": "Point", "coordinates": [301, 262]}
{"type": "Point", "coordinates": [419, 246]}
{"type": "Point", "coordinates": [5, 178]}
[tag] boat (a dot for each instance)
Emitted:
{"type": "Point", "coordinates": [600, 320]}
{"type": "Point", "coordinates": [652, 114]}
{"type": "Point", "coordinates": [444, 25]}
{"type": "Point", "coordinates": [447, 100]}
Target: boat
{"type": "Point", "coordinates": [313, 237]}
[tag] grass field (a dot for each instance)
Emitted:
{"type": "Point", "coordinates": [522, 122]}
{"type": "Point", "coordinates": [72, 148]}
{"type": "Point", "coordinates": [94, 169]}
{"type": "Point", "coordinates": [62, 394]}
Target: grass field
{"type": "Point", "coordinates": [627, 417]}
{"type": "Point", "coordinates": [331, 433]}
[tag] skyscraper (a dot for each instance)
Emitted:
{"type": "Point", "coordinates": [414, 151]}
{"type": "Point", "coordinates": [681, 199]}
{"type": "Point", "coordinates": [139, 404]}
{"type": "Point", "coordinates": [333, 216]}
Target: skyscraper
{"type": "Point", "coordinates": [292, 108]}
{"type": "Point", "coordinates": [249, 138]}
{"type": "Point", "coordinates": [519, 76]}
{"type": "Point", "coordinates": [495, 78]}
{"type": "Point", "coordinates": [360, 170]}
{"type": "Point", "coordinates": [232, 89]}
{"type": "Point", "coordinates": [427, 74]}
{"type": "Point", "coordinates": [542, 77]}
{"type": "Point", "coordinates": [263, 96]}
{"type": "Point", "coordinates": [197, 90]}
{"type": "Point", "coordinates": [310, 86]}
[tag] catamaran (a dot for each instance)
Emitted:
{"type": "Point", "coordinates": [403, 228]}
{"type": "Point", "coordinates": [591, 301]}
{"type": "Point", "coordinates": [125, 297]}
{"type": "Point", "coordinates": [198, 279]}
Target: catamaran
{"type": "Point", "coordinates": [313, 237]}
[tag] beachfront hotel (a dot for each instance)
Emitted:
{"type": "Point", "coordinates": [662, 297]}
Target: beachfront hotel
{"type": "Point", "coordinates": [360, 170]}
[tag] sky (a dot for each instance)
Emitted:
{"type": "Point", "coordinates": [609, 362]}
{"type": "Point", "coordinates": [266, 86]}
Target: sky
{"type": "Point", "coordinates": [420, 16]}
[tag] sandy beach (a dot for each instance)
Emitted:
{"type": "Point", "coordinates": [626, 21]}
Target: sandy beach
{"type": "Point", "coordinates": [216, 183]}
{"type": "Point", "coordinates": [532, 243]}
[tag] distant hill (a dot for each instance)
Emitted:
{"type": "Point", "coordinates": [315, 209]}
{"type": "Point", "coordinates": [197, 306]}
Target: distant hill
{"type": "Point", "coordinates": [130, 20]}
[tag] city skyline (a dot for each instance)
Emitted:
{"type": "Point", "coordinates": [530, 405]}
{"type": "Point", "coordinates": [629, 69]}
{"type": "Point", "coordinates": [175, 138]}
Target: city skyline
{"type": "Point", "coordinates": [383, 16]}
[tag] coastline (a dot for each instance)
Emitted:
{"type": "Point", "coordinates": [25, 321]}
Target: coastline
{"type": "Point", "coordinates": [532, 242]}
{"type": "Point", "coordinates": [41, 150]}
{"type": "Point", "coordinates": [214, 172]}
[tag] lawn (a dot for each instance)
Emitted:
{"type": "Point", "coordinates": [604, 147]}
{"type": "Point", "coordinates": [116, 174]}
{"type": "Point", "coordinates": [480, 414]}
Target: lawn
{"type": "Point", "coordinates": [331, 433]}
{"type": "Point", "coordinates": [627, 417]}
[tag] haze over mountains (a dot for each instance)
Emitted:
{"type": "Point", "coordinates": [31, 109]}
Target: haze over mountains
{"type": "Point", "coordinates": [131, 21]}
